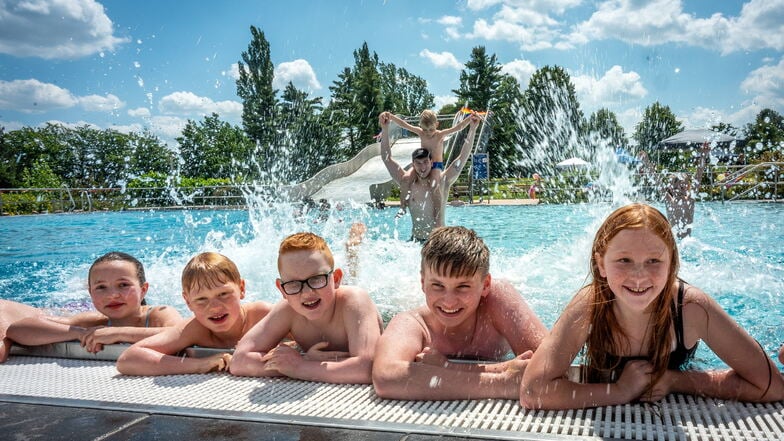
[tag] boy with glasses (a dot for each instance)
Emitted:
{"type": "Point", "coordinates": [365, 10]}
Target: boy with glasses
{"type": "Point", "coordinates": [337, 326]}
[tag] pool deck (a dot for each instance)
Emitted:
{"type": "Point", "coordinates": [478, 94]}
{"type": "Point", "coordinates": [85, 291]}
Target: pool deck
{"type": "Point", "coordinates": [64, 398]}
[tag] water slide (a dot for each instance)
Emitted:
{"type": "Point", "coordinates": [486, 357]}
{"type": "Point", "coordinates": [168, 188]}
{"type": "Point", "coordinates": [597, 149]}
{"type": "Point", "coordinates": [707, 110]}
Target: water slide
{"type": "Point", "coordinates": [361, 179]}
{"type": "Point", "coordinates": [364, 178]}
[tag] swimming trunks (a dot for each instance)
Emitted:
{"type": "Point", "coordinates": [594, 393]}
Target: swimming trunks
{"type": "Point", "coordinates": [438, 165]}
{"type": "Point", "coordinates": [146, 320]}
{"type": "Point", "coordinates": [679, 357]}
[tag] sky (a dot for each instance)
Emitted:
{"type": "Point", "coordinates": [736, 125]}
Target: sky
{"type": "Point", "coordinates": [135, 65]}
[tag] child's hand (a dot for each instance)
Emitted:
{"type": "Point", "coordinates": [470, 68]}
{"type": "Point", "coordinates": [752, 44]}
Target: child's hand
{"type": "Point", "coordinates": [94, 338]}
{"type": "Point", "coordinates": [282, 359]}
{"type": "Point", "coordinates": [659, 390]}
{"type": "Point", "coordinates": [215, 363]}
{"type": "Point", "coordinates": [383, 119]}
{"type": "Point", "coordinates": [315, 353]}
{"type": "Point", "coordinates": [636, 376]}
{"type": "Point", "coordinates": [432, 357]}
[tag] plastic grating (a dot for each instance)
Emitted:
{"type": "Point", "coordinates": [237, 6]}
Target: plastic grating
{"type": "Point", "coordinates": [97, 384]}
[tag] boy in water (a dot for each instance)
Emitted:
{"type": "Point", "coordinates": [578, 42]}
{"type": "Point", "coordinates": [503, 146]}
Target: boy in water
{"type": "Point", "coordinates": [467, 316]}
{"type": "Point", "coordinates": [337, 326]}
{"type": "Point", "coordinates": [431, 140]}
{"type": "Point", "coordinates": [212, 289]}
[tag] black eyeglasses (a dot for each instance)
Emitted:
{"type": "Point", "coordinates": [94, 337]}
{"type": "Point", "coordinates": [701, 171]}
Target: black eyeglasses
{"type": "Point", "coordinates": [294, 287]}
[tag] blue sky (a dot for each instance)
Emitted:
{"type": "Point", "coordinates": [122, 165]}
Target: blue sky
{"type": "Point", "coordinates": [131, 65]}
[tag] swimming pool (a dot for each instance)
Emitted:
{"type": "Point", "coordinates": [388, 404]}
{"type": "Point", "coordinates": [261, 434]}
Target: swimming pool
{"type": "Point", "coordinates": [736, 254]}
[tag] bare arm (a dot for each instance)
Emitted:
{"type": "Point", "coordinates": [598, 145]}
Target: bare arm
{"type": "Point", "coordinates": [459, 126]}
{"type": "Point", "coordinates": [453, 171]}
{"type": "Point", "coordinates": [402, 123]}
{"type": "Point", "coordinates": [41, 330]}
{"type": "Point", "coordinates": [248, 359]}
{"type": "Point", "coordinates": [752, 375]}
{"type": "Point", "coordinates": [395, 170]}
{"type": "Point", "coordinates": [155, 355]}
{"type": "Point", "coordinates": [363, 328]}
{"type": "Point", "coordinates": [160, 317]}
{"type": "Point", "coordinates": [545, 385]}
{"type": "Point", "coordinates": [397, 375]}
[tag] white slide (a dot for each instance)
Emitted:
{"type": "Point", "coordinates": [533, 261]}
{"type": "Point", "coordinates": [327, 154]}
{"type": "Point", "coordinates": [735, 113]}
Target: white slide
{"type": "Point", "coordinates": [356, 186]}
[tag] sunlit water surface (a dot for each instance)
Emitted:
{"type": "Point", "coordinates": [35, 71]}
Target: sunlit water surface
{"type": "Point", "coordinates": [735, 255]}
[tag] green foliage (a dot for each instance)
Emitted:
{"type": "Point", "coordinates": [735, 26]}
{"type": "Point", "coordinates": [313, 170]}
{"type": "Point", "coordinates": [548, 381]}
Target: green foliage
{"type": "Point", "coordinates": [765, 136]}
{"type": "Point", "coordinates": [502, 146]}
{"type": "Point", "coordinates": [259, 101]}
{"type": "Point", "coordinates": [403, 92]}
{"type": "Point", "coordinates": [40, 175]}
{"type": "Point", "coordinates": [479, 80]}
{"type": "Point", "coordinates": [215, 149]}
{"type": "Point", "coordinates": [551, 121]}
{"type": "Point", "coordinates": [603, 124]}
{"type": "Point", "coordinates": [658, 123]}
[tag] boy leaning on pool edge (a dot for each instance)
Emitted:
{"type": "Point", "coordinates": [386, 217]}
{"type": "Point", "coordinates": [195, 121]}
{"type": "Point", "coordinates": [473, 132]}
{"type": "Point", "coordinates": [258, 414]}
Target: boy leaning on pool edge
{"type": "Point", "coordinates": [467, 316]}
{"type": "Point", "coordinates": [337, 325]}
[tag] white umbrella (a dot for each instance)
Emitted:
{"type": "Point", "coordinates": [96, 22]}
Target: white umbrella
{"type": "Point", "coordinates": [695, 138]}
{"type": "Point", "coordinates": [572, 162]}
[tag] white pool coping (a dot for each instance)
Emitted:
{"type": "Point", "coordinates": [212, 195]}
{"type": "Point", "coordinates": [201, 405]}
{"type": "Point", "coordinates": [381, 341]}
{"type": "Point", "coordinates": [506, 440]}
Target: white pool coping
{"type": "Point", "coordinates": [97, 384]}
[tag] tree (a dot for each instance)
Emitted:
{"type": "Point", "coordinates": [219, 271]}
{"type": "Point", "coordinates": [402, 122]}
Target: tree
{"type": "Point", "coordinates": [479, 80]}
{"type": "Point", "coordinates": [551, 120]}
{"type": "Point", "coordinates": [502, 148]}
{"type": "Point", "coordinates": [259, 101]}
{"type": "Point", "coordinates": [404, 93]}
{"type": "Point", "coordinates": [765, 136]}
{"type": "Point", "coordinates": [215, 149]}
{"type": "Point", "coordinates": [309, 142]}
{"type": "Point", "coordinates": [368, 100]}
{"type": "Point", "coordinates": [658, 123]}
{"type": "Point", "coordinates": [604, 125]}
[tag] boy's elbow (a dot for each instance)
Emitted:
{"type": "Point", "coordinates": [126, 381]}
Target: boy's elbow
{"type": "Point", "coordinates": [386, 383]}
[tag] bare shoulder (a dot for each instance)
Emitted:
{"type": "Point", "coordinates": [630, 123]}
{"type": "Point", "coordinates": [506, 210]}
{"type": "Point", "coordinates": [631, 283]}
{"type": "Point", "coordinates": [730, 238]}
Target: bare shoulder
{"type": "Point", "coordinates": [411, 322]}
{"type": "Point", "coordinates": [578, 308]}
{"type": "Point", "coordinates": [697, 304]}
{"type": "Point", "coordinates": [164, 315]}
{"type": "Point", "coordinates": [353, 297]}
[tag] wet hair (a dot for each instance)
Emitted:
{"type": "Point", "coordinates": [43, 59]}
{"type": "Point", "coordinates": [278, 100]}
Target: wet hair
{"type": "Point", "coordinates": [604, 323]}
{"type": "Point", "coordinates": [305, 242]}
{"type": "Point", "coordinates": [428, 120]}
{"type": "Point", "coordinates": [115, 256]}
{"type": "Point", "coordinates": [207, 270]}
{"type": "Point", "coordinates": [455, 252]}
{"type": "Point", "coordinates": [420, 153]}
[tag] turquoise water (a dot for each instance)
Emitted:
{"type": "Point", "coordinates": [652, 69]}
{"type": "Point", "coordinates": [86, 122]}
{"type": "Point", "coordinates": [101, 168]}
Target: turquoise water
{"type": "Point", "coordinates": [736, 254]}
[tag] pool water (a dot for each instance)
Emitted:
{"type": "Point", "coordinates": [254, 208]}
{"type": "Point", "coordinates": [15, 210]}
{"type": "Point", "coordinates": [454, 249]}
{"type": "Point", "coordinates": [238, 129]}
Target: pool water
{"type": "Point", "coordinates": [736, 254]}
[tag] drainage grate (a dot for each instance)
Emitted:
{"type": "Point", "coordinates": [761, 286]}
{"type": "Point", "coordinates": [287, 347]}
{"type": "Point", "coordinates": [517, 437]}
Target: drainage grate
{"type": "Point", "coordinates": [97, 384]}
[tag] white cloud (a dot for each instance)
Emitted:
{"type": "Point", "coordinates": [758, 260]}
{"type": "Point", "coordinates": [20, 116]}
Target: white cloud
{"type": "Point", "coordinates": [613, 88]}
{"type": "Point", "coordinates": [443, 100]}
{"type": "Point", "coordinates": [702, 118]}
{"type": "Point", "coordinates": [521, 70]}
{"type": "Point", "coordinates": [139, 112]}
{"type": "Point", "coordinates": [233, 72]}
{"type": "Point", "coordinates": [33, 96]}
{"type": "Point", "coordinates": [765, 88]}
{"type": "Point", "coordinates": [55, 28]}
{"type": "Point", "coordinates": [450, 20]}
{"type": "Point", "coordinates": [188, 103]}
{"type": "Point", "coordinates": [97, 103]}
{"type": "Point", "coordinates": [443, 59]}
{"type": "Point", "coordinates": [664, 21]}
{"type": "Point", "coordinates": [167, 126]}
{"type": "Point", "coordinates": [298, 72]}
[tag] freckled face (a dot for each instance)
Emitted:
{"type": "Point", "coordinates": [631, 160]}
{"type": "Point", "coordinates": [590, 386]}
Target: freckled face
{"type": "Point", "coordinates": [636, 266]}
{"type": "Point", "coordinates": [115, 289]}
{"type": "Point", "coordinates": [309, 265]}
{"type": "Point", "coordinates": [217, 308]}
{"type": "Point", "coordinates": [453, 299]}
